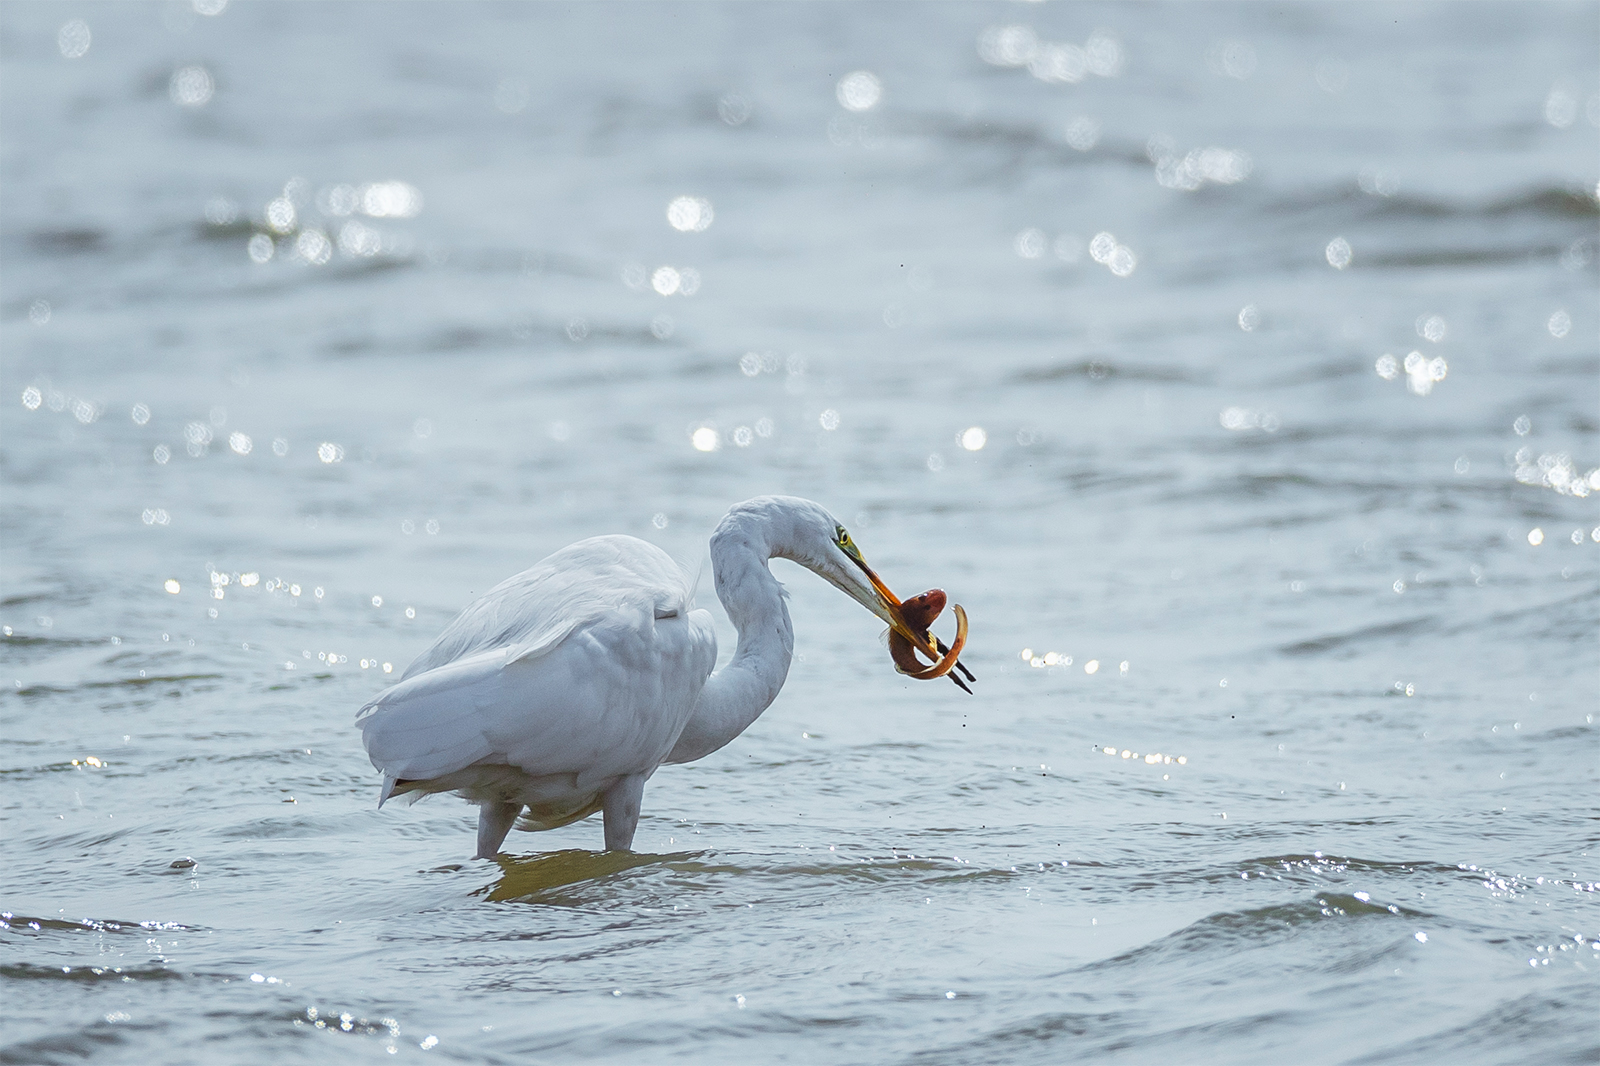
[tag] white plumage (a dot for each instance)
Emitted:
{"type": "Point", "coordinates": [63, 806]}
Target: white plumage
{"type": "Point", "coordinates": [562, 689]}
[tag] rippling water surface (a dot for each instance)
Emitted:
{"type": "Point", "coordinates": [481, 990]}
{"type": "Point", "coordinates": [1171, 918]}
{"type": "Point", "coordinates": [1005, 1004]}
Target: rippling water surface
{"type": "Point", "coordinates": [1236, 367]}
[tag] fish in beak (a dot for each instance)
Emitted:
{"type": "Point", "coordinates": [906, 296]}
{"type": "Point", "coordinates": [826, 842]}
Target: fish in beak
{"type": "Point", "coordinates": [908, 628]}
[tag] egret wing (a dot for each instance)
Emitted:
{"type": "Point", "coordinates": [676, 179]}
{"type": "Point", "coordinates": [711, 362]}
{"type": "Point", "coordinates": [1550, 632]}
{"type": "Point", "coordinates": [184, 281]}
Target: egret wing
{"type": "Point", "coordinates": [609, 699]}
{"type": "Point", "coordinates": [588, 663]}
{"type": "Point", "coordinates": [537, 609]}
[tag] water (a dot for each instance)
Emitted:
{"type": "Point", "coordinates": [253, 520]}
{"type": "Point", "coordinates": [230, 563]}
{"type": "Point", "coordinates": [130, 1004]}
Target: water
{"type": "Point", "coordinates": [1338, 805]}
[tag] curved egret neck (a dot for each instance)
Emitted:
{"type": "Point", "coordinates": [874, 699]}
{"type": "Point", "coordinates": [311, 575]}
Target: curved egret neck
{"type": "Point", "coordinates": [753, 533]}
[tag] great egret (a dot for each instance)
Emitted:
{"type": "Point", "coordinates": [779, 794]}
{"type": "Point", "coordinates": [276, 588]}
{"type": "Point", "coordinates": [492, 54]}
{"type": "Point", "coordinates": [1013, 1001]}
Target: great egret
{"type": "Point", "coordinates": [566, 686]}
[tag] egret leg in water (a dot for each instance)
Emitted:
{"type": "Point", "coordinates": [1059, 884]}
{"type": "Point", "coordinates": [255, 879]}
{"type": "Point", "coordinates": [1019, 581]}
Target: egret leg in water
{"type": "Point", "coordinates": [494, 822]}
{"type": "Point", "coordinates": [566, 686]}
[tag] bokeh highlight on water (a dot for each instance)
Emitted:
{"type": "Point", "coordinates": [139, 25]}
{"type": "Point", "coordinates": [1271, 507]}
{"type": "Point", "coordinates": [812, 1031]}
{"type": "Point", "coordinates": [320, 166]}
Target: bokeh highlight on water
{"type": "Point", "coordinates": [1235, 366]}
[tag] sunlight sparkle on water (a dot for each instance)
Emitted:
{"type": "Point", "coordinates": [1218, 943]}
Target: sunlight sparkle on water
{"type": "Point", "coordinates": [191, 86]}
{"type": "Point", "coordinates": [1555, 470]}
{"type": "Point", "coordinates": [1560, 107]}
{"type": "Point", "coordinates": [1008, 46]}
{"type": "Point", "coordinates": [1117, 258]}
{"type": "Point", "coordinates": [1422, 373]}
{"type": "Point", "coordinates": [390, 199]}
{"type": "Point", "coordinates": [1432, 328]}
{"type": "Point", "coordinates": [1338, 253]}
{"type": "Point", "coordinates": [1083, 133]}
{"type": "Point", "coordinates": [690, 214]}
{"type": "Point", "coordinates": [359, 241]}
{"type": "Point", "coordinates": [1198, 167]}
{"type": "Point", "coordinates": [1030, 243]}
{"type": "Point", "coordinates": [1240, 419]}
{"type": "Point", "coordinates": [280, 215]}
{"type": "Point", "coordinates": [74, 39]}
{"type": "Point", "coordinates": [313, 246]}
{"type": "Point", "coordinates": [859, 91]}
{"type": "Point", "coordinates": [1154, 758]}
{"type": "Point", "coordinates": [666, 280]}
{"type": "Point", "coordinates": [1059, 63]}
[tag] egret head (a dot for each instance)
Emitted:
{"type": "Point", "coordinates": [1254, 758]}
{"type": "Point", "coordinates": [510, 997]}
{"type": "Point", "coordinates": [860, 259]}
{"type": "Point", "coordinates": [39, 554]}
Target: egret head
{"type": "Point", "coordinates": [793, 528]}
{"type": "Point", "coordinates": [821, 543]}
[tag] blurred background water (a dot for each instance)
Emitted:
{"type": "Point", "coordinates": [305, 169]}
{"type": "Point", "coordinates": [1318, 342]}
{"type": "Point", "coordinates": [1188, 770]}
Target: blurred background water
{"type": "Point", "coordinates": [1235, 365]}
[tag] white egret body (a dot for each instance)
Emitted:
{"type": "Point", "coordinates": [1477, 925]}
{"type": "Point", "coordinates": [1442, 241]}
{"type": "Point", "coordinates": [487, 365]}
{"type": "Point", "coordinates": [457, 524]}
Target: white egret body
{"type": "Point", "coordinates": [563, 688]}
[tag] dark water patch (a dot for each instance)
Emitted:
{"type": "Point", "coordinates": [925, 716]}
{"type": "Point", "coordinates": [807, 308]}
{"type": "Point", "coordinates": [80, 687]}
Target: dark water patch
{"type": "Point", "coordinates": [1346, 642]}
{"type": "Point", "coordinates": [1418, 259]}
{"type": "Point", "coordinates": [1321, 372]}
{"type": "Point", "coordinates": [21, 649]}
{"type": "Point", "coordinates": [182, 682]}
{"type": "Point", "coordinates": [142, 682]}
{"type": "Point", "coordinates": [25, 773]}
{"type": "Point", "coordinates": [1581, 365]}
{"type": "Point", "coordinates": [1216, 939]}
{"type": "Point", "coordinates": [1505, 1032]}
{"type": "Point", "coordinates": [281, 828]}
{"type": "Point", "coordinates": [78, 241]}
{"type": "Point", "coordinates": [1555, 202]}
{"type": "Point", "coordinates": [25, 923]}
{"type": "Point", "coordinates": [1103, 370]}
{"type": "Point", "coordinates": [1048, 1036]}
{"type": "Point", "coordinates": [369, 267]}
{"type": "Point", "coordinates": [91, 975]}
{"type": "Point", "coordinates": [93, 1041]}
{"type": "Point", "coordinates": [17, 600]}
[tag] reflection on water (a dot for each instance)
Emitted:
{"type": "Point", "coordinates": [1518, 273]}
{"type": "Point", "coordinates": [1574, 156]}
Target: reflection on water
{"type": "Point", "coordinates": [532, 878]}
{"type": "Point", "coordinates": [1237, 370]}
